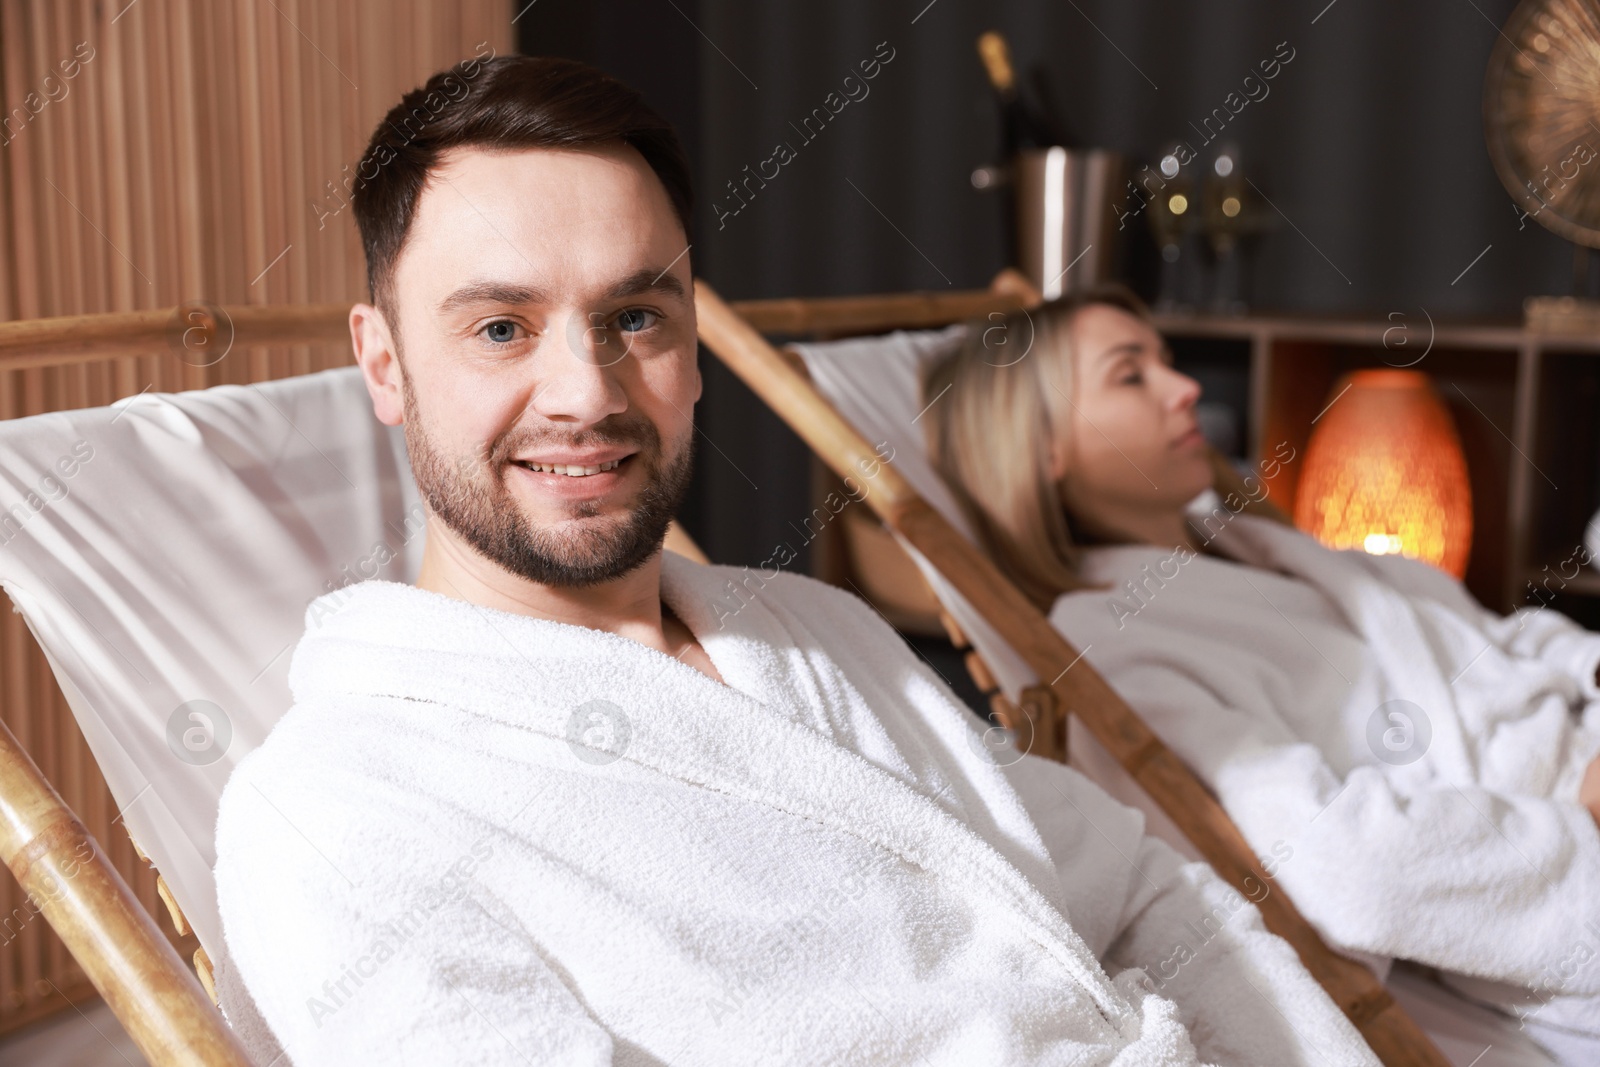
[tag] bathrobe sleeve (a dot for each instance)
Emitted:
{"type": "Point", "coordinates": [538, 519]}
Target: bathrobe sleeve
{"type": "Point", "coordinates": [1548, 635]}
{"type": "Point", "coordinates": [1242, 992]}
{"type": "Point", "coordinates": [1534, 631]}
{"type": "Point", "coordinates": [1389, 868]}
{"type": "Point", "coordinates": [349, 962]}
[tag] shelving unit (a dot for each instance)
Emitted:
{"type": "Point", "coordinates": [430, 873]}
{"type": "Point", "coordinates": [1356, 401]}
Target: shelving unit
{"type": "Point", "coordinates": [1524, 404]}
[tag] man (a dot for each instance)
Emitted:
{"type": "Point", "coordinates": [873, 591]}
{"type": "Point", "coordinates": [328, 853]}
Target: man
{"type": "Point", "coordinates": [559, 803]}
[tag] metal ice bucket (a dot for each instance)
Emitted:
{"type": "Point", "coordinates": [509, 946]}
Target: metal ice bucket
{"type": "Point", "coordinates": [1066, 222]}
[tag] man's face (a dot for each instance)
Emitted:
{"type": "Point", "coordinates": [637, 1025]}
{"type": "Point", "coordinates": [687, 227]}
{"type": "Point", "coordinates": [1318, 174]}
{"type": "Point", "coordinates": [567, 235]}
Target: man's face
{"type": "Point", "coordinates": [547, 334]}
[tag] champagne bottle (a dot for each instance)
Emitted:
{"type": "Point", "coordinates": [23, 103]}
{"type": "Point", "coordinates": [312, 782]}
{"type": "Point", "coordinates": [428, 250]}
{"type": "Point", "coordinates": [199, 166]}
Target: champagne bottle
{"type": "Point", "coordinates": [1022, 126]}
{"type": "Point", "coordinates": [1022, 129]}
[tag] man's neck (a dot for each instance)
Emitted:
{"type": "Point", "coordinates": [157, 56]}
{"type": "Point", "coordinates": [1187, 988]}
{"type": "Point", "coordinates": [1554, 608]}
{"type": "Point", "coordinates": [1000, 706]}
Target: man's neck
{"type": "Point", "coordinates": [629, 606]}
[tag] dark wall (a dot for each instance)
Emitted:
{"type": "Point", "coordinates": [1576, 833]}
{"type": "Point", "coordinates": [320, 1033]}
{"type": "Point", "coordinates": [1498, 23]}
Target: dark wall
{"type": "Point", "coordinates": [1369, 140]}
{"type": "Point", "coordinates": [1369, 143]}
{"type": "Point", "coordinates": [650, 44]}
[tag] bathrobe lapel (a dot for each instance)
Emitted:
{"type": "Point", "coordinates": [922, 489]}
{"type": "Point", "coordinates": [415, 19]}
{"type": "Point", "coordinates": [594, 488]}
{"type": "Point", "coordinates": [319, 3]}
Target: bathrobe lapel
{"type": "Point", "coordinates": [1383, 617]}
{"type": "Point", "coordinates": [664, 715]}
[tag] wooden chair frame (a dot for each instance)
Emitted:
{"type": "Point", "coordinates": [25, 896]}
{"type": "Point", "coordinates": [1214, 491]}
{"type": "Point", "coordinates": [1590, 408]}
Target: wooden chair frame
{"type": "Point", "coordinates": [172, 1017]}
{"type": "Point", "coordinates": [168, 1010]}
{"type": "Point", "coordinates": [735, 335]}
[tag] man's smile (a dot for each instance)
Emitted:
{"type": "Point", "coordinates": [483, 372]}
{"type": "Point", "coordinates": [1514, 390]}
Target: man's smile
{"type": "Point", "coordinates": [573, 481]}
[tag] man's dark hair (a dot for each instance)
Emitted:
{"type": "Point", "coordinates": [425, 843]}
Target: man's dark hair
{"type": "Point", "coordinates": [505, 102]}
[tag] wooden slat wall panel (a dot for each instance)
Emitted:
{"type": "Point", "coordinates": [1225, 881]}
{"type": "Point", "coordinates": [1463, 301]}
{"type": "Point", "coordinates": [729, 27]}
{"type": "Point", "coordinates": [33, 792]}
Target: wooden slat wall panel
{"type": "Point", "coordinates": [182, 159]}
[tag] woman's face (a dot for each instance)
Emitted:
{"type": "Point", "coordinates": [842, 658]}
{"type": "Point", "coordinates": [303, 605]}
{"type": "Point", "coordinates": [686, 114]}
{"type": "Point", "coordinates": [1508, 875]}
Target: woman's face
{"type": "Point", "coordinates": [1133, 447]}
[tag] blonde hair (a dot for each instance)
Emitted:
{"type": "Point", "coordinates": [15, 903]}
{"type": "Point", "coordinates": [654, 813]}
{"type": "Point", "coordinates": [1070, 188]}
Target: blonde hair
{"type": "Point", "coordinates": [996, 405]}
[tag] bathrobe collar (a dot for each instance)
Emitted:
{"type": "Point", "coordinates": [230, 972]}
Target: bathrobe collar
{"type": "Point", "coordinates": [1385, 618]}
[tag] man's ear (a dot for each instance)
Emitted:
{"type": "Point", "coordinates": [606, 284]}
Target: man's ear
{"type": "Point", "coordinates": [380, 367]}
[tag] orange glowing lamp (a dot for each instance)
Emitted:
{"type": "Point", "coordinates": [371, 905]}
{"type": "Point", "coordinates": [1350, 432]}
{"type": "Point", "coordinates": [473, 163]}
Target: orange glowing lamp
{"type": "Point", "coordinates": [1384, 472]}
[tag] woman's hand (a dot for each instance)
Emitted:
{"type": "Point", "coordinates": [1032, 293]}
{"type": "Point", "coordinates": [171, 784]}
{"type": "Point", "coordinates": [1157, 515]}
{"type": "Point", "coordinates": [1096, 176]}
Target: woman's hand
{"type": "Point", "coordinates": [1589, 791]}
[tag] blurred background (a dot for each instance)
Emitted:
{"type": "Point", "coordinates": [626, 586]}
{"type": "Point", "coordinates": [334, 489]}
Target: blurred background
{"type": "Point", "coordinates": [154, 152]}
{"type": "Point", "coordinates": [1368, 142]}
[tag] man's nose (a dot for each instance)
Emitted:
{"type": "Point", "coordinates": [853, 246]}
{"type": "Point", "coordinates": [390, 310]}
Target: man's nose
{"type": "Point", "coordinates": [580, 367]}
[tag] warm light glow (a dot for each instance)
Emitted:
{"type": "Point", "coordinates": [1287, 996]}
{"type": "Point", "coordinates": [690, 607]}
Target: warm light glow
{"type": "Point", "coordinates": [1382, 544]}
{"type": "Point", "coordinates": [1230, 206]}
{"type": "Point", "coordinates": [1384, 472]}
{"type": "Point", "coordinates": [1178, 204]}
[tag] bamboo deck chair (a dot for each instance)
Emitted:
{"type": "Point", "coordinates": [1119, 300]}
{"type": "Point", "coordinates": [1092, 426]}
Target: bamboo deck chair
{"type": "Point", "coordinates": [1015, 640]}
{"type": "Point", "coordinates": [163, 555]}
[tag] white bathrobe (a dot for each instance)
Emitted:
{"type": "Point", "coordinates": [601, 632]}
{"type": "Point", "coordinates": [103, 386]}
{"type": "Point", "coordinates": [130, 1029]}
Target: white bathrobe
{"type": "Point", "coordinates": [484, 838]}
{"type": "Point", "coordinates": [1444, 829]}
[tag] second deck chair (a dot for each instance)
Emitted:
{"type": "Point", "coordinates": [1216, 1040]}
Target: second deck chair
{"type": "Point", "coordinates": [874, 382]}
{"type": "Point", "coordinates": [1016, 639]}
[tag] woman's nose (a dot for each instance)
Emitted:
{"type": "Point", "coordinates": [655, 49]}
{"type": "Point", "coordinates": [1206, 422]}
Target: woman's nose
{"type": "Point", "coordinates": [1184, 390]}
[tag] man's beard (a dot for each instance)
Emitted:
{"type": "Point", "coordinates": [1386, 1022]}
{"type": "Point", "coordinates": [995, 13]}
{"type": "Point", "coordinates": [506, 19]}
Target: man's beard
{"type": "Point", "coordinates": [472, 498]}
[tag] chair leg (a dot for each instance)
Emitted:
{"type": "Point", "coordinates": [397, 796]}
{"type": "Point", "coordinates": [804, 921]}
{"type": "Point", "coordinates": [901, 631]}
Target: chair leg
{"type": "Point", "coordinates": [83, 898]}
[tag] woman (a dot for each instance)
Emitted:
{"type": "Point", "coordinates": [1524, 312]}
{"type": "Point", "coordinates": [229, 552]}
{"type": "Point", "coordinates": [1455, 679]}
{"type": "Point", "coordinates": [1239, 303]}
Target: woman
{"type": "Point", "coordinates": [1422, 771]}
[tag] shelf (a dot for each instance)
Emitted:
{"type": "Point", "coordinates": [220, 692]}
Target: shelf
{"type": "Point", "coordinates": [1377, 332]}
{"type": "Point", "coordinates": [1585, 583]}
{"type": "Point", "coordinates": [1524, 404]}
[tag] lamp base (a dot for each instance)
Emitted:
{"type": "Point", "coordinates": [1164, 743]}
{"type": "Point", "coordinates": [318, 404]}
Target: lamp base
{"type": "Point", "coordinates": [1562, 315]}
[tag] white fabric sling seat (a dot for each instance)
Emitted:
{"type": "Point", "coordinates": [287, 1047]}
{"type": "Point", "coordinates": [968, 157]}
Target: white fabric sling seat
{"type": "Point", "coordinates": [163, 550]}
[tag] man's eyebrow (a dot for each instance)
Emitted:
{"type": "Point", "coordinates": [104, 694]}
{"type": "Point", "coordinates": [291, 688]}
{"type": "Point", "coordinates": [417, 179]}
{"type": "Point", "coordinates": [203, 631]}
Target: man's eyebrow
{"type": "Point", "coordinates": [646, 280]}
{"type": "Point", "coordinates": [643, 280]}
{"type": "Point", "coordinates": [490, 293]}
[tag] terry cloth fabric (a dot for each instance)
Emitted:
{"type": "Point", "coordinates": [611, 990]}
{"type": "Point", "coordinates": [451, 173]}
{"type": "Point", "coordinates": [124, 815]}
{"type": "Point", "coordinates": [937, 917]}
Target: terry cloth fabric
{"type": "Point", "coordinates": [484, 838]}
{"type": "Point", "coordinates": [1411, 758]}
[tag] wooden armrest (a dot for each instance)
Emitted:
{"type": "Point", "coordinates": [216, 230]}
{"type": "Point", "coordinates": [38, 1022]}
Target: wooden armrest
{"type": "Point", "coordinates": [796, 361]}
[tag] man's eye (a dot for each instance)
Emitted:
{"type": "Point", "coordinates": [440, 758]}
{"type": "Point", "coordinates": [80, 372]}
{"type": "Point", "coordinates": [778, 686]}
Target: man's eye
{"type": "Point", "coordinates": [1136, 378]}
{"type": "Point", "coordinates": [634, 320]}
{"type": "Point", "coordinates": [500, 331]}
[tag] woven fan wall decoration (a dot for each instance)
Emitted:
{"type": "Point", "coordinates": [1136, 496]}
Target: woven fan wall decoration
{"type": "Point", "coordinates": [1541, 108]}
